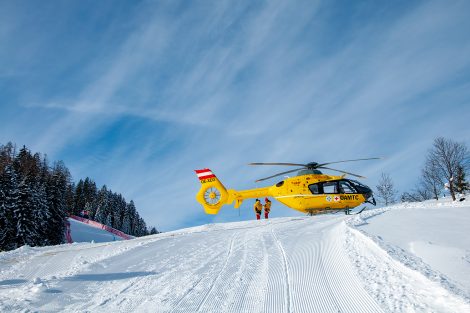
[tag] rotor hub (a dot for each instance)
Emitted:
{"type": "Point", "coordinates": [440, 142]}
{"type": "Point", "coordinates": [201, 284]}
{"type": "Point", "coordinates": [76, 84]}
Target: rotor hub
{"type": "Point", "coordinates": [312, 165]}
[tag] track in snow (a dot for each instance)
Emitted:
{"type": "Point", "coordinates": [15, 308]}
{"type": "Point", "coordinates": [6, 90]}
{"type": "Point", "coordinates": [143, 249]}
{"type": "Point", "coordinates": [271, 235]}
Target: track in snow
{"type": "Point", "coordinates": [280, 265]}
{"type": "Point", "coordinates": [288, 295]}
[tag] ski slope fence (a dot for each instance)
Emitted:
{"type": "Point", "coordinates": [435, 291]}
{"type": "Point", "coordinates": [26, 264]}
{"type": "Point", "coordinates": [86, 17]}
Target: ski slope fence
{"type": "Point", "coordinates": [102, 226]}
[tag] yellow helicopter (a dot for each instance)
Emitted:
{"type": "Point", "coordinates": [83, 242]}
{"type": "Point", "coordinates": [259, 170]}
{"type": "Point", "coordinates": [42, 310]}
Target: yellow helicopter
{"type": "Point", "coordinates": [310, 191]}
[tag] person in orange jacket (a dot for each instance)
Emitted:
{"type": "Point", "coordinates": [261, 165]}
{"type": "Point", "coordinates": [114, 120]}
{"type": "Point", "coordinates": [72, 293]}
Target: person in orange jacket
{"type": "Point", "coordinates": [267, 207]}
{"type": "Point", "coordinates": [258, 207]}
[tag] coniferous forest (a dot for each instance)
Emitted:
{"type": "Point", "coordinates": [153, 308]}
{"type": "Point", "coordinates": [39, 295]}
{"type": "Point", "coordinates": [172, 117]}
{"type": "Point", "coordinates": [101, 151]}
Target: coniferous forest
{"type": "Point", "coordinates": [36, 197]}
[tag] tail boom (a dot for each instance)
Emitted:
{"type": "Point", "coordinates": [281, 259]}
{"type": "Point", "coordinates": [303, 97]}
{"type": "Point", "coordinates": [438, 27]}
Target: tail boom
{"type": "Point", "coordinates": [213, 195]}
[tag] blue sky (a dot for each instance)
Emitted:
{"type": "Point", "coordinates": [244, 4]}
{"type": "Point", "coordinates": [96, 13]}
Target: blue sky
{"type": "Point", "coordinates": [138, 94]}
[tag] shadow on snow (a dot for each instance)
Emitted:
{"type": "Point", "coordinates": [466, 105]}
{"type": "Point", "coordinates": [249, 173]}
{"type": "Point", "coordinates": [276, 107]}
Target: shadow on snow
{"type": "Point", "coordinates": [108, 276]}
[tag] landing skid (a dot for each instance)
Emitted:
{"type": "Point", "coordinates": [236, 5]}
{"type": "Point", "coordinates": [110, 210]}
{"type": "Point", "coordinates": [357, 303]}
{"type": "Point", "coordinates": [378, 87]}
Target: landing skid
{"type": "Point", "coordinates": [313, 212]}
{"type": "Point", "coordinates": [348, 211]}
{"type": "Point", "coordinates": [360, 211]}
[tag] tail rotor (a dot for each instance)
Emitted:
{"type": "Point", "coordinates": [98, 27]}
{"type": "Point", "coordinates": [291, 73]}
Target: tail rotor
{"type": "Point", "coordinates": [212, 194]}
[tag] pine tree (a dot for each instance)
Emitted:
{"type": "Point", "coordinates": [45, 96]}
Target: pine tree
{"type": "Point", "coordinates": [460, 183]}
{"type": "Point", "coordinates": [119, 212]}
{"type": "Point", "coordinates": [133, 216]}
{"type": "Point", "coordinates": [56, 190]}
{"type": "Point", "coordinates": [7, 155]}
{"type": "Point", "coordinates": [69, 198]}
{"type": "Point", "coordinates": [88, 209]}
{"type": "Point", "coordinates": [41, 214]}
{"type": "Point", "coordinates": [8, 202]}
{"type": "Point", "coordinates": [126, 224]}
{"type": "Point", "coordinates": [79, 199]}
{"type": "Point", "coordinates": [90, 195]}
{"type": "Point", "coordinates": [102, 210]}
{"type": "Point", "coordinates": [129, 212]}
{"type": "Point", "coordinates": [26, 230]}
{"type": "Point", "coordinates": [111, 208]}
{"type": "Point", "coordinates": [109, 220]}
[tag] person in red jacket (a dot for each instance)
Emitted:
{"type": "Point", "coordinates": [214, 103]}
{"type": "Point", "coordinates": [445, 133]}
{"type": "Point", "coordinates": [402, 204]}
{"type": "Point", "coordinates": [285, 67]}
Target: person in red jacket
{"type": "Point", "coordinates": [267, 207]}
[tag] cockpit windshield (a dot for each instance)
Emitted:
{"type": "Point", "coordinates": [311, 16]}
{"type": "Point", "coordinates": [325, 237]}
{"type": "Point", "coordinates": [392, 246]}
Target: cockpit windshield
{"type": "Point", "coordinates": [355, 182]}
{"type": "Point", "coordinates": [361, 188]}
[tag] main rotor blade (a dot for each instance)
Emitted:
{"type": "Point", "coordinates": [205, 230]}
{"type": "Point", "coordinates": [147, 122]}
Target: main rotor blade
{"type": "Point", "coordinates": [279, 174]}
{"type": "Point", "coordinates": [342, 171]}
{"type": "Point", "coordinates": [348, 161]}
{"type": "Point", "coordinates": [287, 164]}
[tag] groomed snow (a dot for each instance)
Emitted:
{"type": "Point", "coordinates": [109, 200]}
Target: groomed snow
{"type": "Point", "coordinates": [329, 263]}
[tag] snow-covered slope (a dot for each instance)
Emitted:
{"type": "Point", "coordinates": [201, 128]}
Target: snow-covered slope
{"type": "Point", "coordinates": [82, 232]}
{"type": "Point", "coordinates": [330, 263]}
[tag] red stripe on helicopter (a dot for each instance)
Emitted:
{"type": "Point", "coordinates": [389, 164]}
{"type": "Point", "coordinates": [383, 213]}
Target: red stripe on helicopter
{"type": "Point", "coordinates": [204, 174]}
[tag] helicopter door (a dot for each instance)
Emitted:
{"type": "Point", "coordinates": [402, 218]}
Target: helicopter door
{"type": "Point", "coordinates": [331, 193]}
{"type": "Point", "coordinates": [317, 199]}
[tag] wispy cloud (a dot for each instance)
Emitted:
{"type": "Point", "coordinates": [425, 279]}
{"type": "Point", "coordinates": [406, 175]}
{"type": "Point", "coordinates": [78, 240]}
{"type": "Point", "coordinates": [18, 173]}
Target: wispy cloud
{"type": "Point", "coordinates": [171, 87]}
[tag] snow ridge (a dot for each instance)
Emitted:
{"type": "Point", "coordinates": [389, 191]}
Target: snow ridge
{"type": "Point", "coordinates": [386, 268]}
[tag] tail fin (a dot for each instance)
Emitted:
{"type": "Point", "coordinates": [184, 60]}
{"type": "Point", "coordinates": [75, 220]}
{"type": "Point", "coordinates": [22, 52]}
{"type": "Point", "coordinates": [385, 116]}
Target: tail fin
{"type": "Point", "coordinates": [212, 194]}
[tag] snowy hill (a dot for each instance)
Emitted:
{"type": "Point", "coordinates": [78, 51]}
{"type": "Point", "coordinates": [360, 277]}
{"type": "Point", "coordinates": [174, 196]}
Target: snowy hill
{"type": "Point", "coordinates": [82, 232]}
{"type": "Point", "coordinates": [406, 258]}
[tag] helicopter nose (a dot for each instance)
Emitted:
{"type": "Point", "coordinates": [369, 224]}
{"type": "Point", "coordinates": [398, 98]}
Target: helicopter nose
{"type": "Point", "coordinates": [369, 195]}
{"type": "Point", "coordinates": [366, 191]}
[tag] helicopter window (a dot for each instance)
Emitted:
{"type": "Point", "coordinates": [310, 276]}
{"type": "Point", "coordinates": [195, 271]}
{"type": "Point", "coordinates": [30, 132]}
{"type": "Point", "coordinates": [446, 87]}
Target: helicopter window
{"type": "Point", "coordinates": [358, 186]}
{"type": "Point", "coordinates": [314, 188]}
{"type": "Point", "coordinates": [330, 187]}
{"type": "Point", "coordinates": [355, 182]}
{"type": "Point", "coordinates": [345, 187]}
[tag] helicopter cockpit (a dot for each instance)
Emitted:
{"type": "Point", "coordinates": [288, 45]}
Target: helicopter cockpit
{"type": "Point", "coordinates": [343, 186]}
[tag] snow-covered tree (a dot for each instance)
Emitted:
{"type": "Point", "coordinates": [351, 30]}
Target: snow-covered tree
{"type": "Point", "coordinates": [8, 202]}
{"type": "Point", "coordinates": [23, 214]}
{"type": "Point", "coordinates": [89, 195]}
{"type": "Point", "coordinates": [102, 206]}
{"type": "Point", "coordinates": [126, 224]}
{"type": "Point", "coordinates": [56, 191]}
{"type": "Point", "coordinates": [41, 215]}
{"type": "Point", "coordinates": [36, 199]}
{"type": "Point", "coordinates": [7, 155]}
{"type": "Point", "coordinates": [79, 198]}
{"type": "Point", "coordinates": [109, 220]}
{"type": "Point", "coordinates": [89, 208]}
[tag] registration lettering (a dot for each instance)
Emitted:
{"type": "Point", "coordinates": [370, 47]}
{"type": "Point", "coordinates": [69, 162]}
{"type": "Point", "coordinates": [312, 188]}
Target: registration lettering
{"type": "Point", "coordinates": [349, 197]}
{"type": "Point", "coordinates": [208, 180]}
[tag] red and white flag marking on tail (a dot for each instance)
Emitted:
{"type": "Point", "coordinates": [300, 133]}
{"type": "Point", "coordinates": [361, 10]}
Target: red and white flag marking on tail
{"type": "Point", "coordinates": [204, 174]}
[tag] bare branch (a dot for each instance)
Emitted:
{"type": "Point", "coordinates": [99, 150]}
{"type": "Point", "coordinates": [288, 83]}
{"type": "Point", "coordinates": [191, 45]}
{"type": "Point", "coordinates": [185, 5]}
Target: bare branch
{"type": "Point", "coordinates": [443, 162]}
{"type": "Point", "coordinates": [385, 189]}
